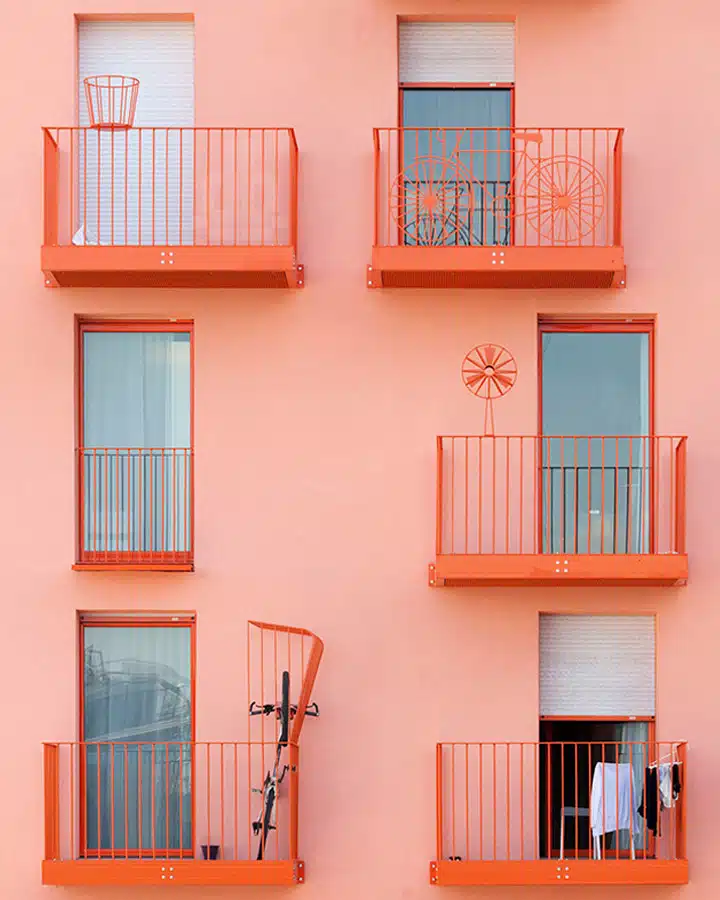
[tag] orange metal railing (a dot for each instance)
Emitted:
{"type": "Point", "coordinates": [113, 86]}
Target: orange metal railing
{"type": "Point", "coordinates": [135, 505]}
{"type": "Point", "coordinates": [558, 800]}
{"type": "Point", "coordinates": [272, 650]}
{"type": "Point", "coordinates": [520, 187]}
{"type": "Point", "coordinates": [166, 800]}
{"type": "Point", "coordinates": [541, 494]}
{"type": "Point", "coordinates": [194, 187]}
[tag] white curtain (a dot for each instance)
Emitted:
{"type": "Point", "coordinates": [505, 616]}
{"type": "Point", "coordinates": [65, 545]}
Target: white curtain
{"type": "Point", "coordinates": [136, 433]}
{"type": "Point", "coordinates": [634, 750]}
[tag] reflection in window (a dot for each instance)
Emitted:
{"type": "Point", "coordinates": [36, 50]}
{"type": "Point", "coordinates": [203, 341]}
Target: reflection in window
{"type": "Point", "coordinates": [137, 727]}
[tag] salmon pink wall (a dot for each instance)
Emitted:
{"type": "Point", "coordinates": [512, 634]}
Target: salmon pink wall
{"type": "Point", "coordinates": [316, 416]}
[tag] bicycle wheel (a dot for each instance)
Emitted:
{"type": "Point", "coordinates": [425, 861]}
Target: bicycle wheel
{"type": "Point", "coordinates": [432, 202]}
{"type": "Point", "coordinates": [562, 199]}
{"type": "Point", "coordinates": [266, 820]}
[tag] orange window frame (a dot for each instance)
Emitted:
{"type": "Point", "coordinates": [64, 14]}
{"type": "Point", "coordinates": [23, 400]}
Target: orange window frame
{"type": "Point", "coordinates": [610, 325]}
{"type": "Point", "coordinates": [616, 854]}
{"type": "Point", "coordinates": [120, 619]}
{"type": "Point", "coordinates": [87, 326]}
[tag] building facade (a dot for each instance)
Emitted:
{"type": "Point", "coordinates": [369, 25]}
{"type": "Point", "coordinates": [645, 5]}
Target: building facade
{"type": "Point", "coordinates": [364, 353]}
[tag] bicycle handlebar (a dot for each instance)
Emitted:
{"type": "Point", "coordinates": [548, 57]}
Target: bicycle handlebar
{"type": "Point", "coordinates": [267, 709]}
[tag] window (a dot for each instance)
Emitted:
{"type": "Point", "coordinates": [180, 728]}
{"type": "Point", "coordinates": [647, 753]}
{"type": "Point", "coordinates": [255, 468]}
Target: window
{"type": "Point", "coordinates": [596, 423]}
{"type": "Point", "coordinates": [456, 106]}
{"type": "Point", "coordinates": [597, 707]}
{"type": "Point", "coordinates": [136, 187]}
{"type": "Point", "coordinates": [136, 727]}
{"type": "Point", "coordinates": [135, 455]}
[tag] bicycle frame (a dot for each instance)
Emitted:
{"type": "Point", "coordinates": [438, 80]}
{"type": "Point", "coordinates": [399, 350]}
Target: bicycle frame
{"type": "Point", "coordinates": [274, 778]}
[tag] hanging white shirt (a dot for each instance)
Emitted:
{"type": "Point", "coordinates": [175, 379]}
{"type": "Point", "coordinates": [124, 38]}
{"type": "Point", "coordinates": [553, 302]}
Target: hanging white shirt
{"type": "Point", "coordinates": [614, 798]}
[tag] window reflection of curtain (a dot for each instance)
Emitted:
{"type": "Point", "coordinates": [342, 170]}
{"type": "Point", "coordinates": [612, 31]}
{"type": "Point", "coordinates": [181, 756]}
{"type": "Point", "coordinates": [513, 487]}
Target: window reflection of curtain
{"type": "Point", "coordinates": [136, 393]}
{"type": "Point", "coordinates": [136, 691]}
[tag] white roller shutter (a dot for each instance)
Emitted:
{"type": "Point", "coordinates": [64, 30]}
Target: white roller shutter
{"type": "Point", "coordinates": [131, 191]}
{"type": "Point", "coordinates": [597, 666]}
{"type": "Point", "coordinates": [459, 52]}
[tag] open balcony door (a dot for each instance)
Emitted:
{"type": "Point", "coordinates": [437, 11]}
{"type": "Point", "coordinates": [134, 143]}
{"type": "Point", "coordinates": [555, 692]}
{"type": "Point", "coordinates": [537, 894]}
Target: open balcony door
{"type": "Point", "coordinates": [136, 187]}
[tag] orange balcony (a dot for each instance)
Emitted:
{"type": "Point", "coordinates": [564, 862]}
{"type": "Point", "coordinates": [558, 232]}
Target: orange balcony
{"type": "Point", "coordinates": [171, 207]}
{"type": "Point", "coordinates": [523, 814]}
{"type": "Point", "coordinates": [560, 511]}
{"type": "Point", "coordinates": [137, 813]}
{"type": "Point", "coordinates": [498, 208]}
{"type": "Point", "coordinates": [135, 509]}
{"type": "Point", "coordinates": [186, 812]}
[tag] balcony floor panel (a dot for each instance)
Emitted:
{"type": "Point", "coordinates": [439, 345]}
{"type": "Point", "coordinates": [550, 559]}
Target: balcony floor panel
{"type": "Point", "coordinates": [556, 570]}
{"type": "Point", "coordinates": [559, 872]}
{"type": "Point", "coordinates": [128, 873]}
{"type": "Point", "coordinates": [187, 267]}
{"type": "Point", "coordinates": [498, 267]}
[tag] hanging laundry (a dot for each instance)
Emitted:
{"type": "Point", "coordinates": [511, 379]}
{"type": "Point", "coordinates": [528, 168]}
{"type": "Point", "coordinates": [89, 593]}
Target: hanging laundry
{"type": "Point", "coordinates": [662, 788]}
{"type": "Point", "coordinates": [612, 799]}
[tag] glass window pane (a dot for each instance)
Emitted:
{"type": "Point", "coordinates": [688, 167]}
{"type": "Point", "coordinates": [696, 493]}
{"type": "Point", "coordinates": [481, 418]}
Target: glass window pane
{"type": "Point", "coordinates": [596, 493]}
{"type": "Point", "coordinates": [136, 389]}
{"type": "Point", "coordinates": [137, 726]}
{"type": "Point", "coordinates": [595, 383]}
{"type": "Point", "coordinates": [456, 152]}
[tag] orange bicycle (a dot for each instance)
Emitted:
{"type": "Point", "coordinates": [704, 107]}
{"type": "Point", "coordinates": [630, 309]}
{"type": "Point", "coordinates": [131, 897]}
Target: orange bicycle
{"type": "Point", "coordinates": [439, 200]}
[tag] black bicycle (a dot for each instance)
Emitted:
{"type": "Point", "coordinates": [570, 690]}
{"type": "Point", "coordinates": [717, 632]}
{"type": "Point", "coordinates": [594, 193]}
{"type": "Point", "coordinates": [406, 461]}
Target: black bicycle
{"type": "Point", "coordinates": [285, 712]}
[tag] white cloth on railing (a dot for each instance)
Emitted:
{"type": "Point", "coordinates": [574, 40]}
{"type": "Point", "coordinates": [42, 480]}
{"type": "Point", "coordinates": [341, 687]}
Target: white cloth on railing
{"type": "Point", "coordinates": [614, 797]}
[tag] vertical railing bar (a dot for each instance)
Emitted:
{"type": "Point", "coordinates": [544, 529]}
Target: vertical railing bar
{"type": "Point", "coordinates": [494, 491]}
{"type": "Point", "coordinates": [221, 133]}
{"type": "Point", "coordinates": [507, 495]}
{"type": "Point", "coordinates": [521, 516]}
{"type": "Point", "coordinates": [466, 492]}
{"type": "Point", "coordinates": [467, 801]}
{"type": "Point", "coordinates": [112, 801]}
{"type": "Point", "coordinates": [508, 807]}
{"type": "Point", "coordinates": [494, 795]}
{"type": "Point", "coordinates": [452, 795]}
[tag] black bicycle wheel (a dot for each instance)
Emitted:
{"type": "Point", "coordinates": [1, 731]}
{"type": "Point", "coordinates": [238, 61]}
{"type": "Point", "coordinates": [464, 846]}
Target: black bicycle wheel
{"type": "Point", "coordinates": [266, 820]}
{"type": "Point", "coordinates": [285, 710]}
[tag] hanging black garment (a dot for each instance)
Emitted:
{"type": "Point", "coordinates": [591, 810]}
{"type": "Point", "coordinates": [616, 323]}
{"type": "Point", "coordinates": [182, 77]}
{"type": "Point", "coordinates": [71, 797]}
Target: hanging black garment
{"type": "Point", "coordinates": [649, 802]}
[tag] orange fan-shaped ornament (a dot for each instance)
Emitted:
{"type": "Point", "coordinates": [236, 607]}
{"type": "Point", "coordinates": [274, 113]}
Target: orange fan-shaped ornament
{"type": "Point", "coordinates": [488, 372]}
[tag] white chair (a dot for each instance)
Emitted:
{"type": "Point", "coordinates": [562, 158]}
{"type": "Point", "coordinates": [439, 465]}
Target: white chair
{"type": "Point", "coordinates": [575, 812]}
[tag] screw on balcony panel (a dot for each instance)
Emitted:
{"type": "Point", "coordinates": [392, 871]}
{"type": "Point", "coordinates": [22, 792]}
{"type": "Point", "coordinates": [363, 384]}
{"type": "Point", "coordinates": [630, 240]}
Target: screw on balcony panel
{"type": "Point", "coordinates": [172, 254]}
{"type": "Point", "coordinates": [47, 281]}
{"type": "Point", "coordinates": [502, 253]}
{"type": "Point", "coordinates": [162, 253]}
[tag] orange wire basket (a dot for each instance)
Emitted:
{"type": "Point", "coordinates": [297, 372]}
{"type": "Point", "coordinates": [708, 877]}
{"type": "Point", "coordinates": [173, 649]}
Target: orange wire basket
{"type": "Point", "coordinates": [111, 100]}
